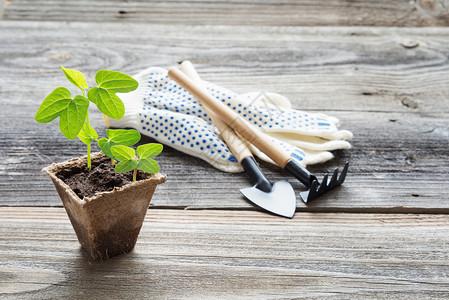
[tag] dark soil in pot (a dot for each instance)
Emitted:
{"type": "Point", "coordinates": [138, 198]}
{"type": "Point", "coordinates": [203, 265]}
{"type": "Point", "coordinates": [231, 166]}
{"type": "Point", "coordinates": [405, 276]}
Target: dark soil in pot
{"type": "Point", "coordinates": [101, 178]}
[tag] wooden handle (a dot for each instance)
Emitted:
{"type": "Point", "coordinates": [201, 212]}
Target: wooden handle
{"type": "Point", "coordinates": [188, 69]}
{"type": "Point", "coordinates": [252, 135]}
{"type": "Point", "coordinates": [238, 148]}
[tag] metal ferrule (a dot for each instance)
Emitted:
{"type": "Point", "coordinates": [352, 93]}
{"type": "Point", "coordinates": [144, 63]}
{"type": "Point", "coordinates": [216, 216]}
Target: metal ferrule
{"type": "Point", "coordinates": [294, 168]}
{"type": "Point", "coordinates": [255, 175]}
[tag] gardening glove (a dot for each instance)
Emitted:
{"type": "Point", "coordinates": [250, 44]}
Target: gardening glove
{"type": "Point", "coordinates": [270, 112]}
{"type": "Point", "coordinates": [163, 110]}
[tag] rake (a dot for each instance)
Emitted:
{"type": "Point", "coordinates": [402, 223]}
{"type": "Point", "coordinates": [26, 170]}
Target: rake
{"type": "Point", "coordinates": [314, 188]}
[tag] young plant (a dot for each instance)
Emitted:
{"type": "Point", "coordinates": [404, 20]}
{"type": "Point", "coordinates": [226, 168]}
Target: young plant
{"type": "Point", "coordinates": [117, 137]}
{"type": "Point", "coordinates": [143, 161]}
{"type": "Point", "coordinates": [73, 112]}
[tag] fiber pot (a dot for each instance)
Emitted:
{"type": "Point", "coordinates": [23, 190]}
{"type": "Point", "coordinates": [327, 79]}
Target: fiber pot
{"type": "Point", "coordinates": [108, 223]}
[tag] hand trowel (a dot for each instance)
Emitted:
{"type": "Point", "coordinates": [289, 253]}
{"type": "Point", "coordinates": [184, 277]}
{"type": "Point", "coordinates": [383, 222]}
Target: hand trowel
{"type": "Point", "coordinates": [279, 197]}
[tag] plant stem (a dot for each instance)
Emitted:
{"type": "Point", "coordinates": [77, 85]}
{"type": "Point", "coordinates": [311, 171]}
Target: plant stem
{"type": "Point", "coordinates": [112, 162]}
{"type": "Point", "coordinates": [88, 146]}
{"type": "Point", "coordinates": [88, 157]}
{"type": "Point", "coordinates": [134, 175]}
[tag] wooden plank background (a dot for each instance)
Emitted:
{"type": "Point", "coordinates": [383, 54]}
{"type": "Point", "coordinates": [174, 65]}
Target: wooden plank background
{"type": "Point", "coordinates": [232, 254]}
{"type": "Point", "coordinates": [392, 97]}
{"type": "Point", "coordinates": [238, 12]}
{"type": "Point", "coordinates": [382, 67]}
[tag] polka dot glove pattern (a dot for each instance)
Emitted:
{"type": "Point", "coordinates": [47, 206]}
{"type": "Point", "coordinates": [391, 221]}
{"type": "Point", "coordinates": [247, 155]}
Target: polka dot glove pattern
{"type": "Point", "coordinates": [165, 111]}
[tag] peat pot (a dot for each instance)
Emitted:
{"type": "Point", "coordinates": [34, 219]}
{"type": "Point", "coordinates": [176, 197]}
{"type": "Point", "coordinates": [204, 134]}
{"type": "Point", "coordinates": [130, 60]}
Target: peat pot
{"type": "Point", "coordinates": [108, 223]}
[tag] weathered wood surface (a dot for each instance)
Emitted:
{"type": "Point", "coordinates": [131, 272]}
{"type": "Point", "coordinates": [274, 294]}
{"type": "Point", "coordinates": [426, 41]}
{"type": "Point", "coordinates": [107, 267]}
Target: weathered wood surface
{"type": "Point", "coordinates": [388, 85]}
{"type": "Point", "coordinates": [238, 12]}
{"type": "Point", "coordinates": [232, 255]}
{"type": "Point", "coordinates": [319, 68]}
{"type": "Point", "coordinates": [2, 8]}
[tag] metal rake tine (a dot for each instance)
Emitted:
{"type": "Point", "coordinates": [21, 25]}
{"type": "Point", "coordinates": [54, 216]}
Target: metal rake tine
{"type": "Point", "coordinates": [314, 187]}
{"type": "Point", "coordinates": [311, 193]}
{"type": "Point", "coordinates": [334, 179]}
{"type": "Point", "coordinates": [343, 173]}
{"type": "Point", "coordinates": [323, 186]}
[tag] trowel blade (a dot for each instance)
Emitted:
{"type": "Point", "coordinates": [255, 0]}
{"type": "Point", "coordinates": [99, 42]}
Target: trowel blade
{"type": "Point", "coordinates": [281, 200]}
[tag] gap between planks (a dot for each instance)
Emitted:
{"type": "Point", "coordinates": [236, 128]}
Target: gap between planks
{"type": "Point", "coordinates": [20, 214]}
{"type": "Point", "coordinates": [299, 210]}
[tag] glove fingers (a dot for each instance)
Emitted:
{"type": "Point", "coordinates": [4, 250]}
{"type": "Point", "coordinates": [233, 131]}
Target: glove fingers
{"type": "Point", "coordinates": [314, 137]}
{"type": "Point", "coordinates": [310, 157]}
{"type": "Point", "coordinates": [311, 142]}
{"type": "Point", "coordinates": [343, 135]}
{"type": "Point", "coordinates": [278, 101]}
{"type": "Point", "coordinates": [304, 157]}
{"type": "Point", "coordinates": [294, 152]}
{"type": "Point", "coordinates": [327, 146]}
{"type": "Point", "coordinates": [331, 119]}
{"type": "Point", "coordinates": [316, 157]}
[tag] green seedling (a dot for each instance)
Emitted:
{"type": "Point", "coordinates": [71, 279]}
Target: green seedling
{"type": "Point", "coordinates": [73, 112]}
{"type": "Point", "coordinates": [143, 161]}
{"type": "Point", "coordinates": [117, 137]}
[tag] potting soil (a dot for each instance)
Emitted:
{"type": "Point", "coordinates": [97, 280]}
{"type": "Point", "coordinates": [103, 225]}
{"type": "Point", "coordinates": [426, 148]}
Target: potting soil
{"type": "Point", "coordinates": [101, 178]}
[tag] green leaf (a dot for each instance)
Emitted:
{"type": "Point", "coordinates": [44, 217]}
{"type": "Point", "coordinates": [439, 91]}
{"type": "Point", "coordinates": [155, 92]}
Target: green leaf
{"type": "Point", "coordinates": [149, 150]}
{"type": "Point", "coordinates": [53, 105]}
{"type": "Point", "coordinates": [75, 77]}
{"type": "Point", "coordinates": [125, 166]}
{"type": "Point", "coordinates": [123, 152]}
{"type": "Point", "coordinates": [92, 95]}
{"type": "Point", "coordinates": [73, 117]}
{"type": "Point", "coordinates": [148, 165]}
{"type": "Point", "coordinates": [107, 102]}
{"type": "Point", "coordinates": [123, 137]}
{"type": "Point", "coordinates": [87, 134]}
{"type": "Point", "coordinates": [105, 146]}
{"type": "Point", "coordinates": [115, 81]}
{"type": "Point", "coordinates": [118, 137]}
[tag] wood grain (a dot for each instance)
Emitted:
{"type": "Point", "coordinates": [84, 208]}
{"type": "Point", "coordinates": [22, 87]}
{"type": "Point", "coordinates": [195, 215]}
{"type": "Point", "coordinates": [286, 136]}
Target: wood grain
{"type": "Point", "coordinates": [2, 8]}
{"type": "Point", "coordinates": [325, 68]}
{"type": "Point", "coordinates": [238, 12]}
{"type": "Point", "coordinates": [231, 254]}
{"type": "Point", "coordinates": [394, 99]}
